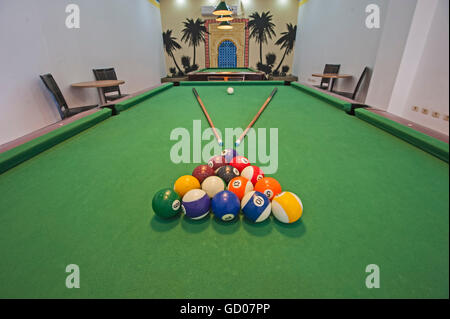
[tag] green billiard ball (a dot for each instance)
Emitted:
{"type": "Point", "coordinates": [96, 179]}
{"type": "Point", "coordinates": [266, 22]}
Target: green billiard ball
{"type": "Point", "coordinates": [166, 203]}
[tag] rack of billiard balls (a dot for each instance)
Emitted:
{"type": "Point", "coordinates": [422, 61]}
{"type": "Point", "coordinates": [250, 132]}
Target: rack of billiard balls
{"type": "Point", "coordinates": [225, 186]}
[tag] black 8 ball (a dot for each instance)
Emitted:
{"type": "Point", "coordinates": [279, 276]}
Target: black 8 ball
{"type": "Point", "coordinates": [227, 173]}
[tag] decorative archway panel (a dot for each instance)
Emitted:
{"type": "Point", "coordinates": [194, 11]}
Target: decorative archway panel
{"type": "Point", "coordinates": [239, 36]}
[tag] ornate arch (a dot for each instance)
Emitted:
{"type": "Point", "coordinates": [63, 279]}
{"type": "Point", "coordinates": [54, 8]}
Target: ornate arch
{"type": "Point", "coordinates": [231, 36]}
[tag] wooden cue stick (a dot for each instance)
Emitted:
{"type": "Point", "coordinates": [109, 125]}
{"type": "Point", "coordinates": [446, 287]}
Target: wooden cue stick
{"type": "Point", "coordinates": [239, 141]}
{"type": "Point", "coordinates": [219, 140]}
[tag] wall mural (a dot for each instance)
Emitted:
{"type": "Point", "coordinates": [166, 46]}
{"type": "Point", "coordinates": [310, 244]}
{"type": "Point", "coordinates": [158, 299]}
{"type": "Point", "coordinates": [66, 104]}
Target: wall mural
{"type": "Point", "coordinates": [231, 47]}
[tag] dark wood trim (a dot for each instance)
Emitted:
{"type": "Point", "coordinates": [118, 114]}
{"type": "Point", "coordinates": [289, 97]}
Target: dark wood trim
{"type": "Point", "coordinates": [420, 128]}
{"type": "Point", "coordinates": [130, 96]}
{"type": "Point", "coordinates": [31, 136]}
{"type": "Point", "coordinates": [248, 76]}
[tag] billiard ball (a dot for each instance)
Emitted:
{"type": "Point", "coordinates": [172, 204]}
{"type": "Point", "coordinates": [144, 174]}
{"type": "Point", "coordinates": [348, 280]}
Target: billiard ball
{"type": "Point", "coordinates": [253, 174]}
{"type": "Point", "coordinates": [256, 207]}
{"type": "Point", "coordinates": [240, 186]}
{"type": "Point", "coordinates": [213, 185]}
{"type": "Point", "coordinates": [268, 186]}
{"type": "Point", "coordinates": [196, 204]}
{"type": "Point", "coordinates": [240, 162]}
{"type": "Point", "coordinates": [225, 206]}
{"type": "Point", "coordinates": [229, 154]}
{"type": "Point", "coordinates": [230, 91]}
{"type": "Point", "coordinates": [287, 207]}
{"type": "Point", "coordinates": [202, 172]}
{"type": "Point", "coordinates": [166, 203]}
{"type": "Point", "coordinates": [217, 162]}
{"type": "Point", "coordinates": [227, 173]}
{"type": "Point", "coordinates": [185, 183]}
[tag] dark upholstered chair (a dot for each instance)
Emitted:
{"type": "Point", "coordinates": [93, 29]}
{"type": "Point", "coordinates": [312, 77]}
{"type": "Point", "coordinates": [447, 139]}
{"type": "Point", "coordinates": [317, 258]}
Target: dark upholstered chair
{"type": "Point", "coordinates": [329, 69]}
{"type": "Point", "coordinates": [63, 108]}
{"type": "Point", "coordinates": [110, 93]}
{"type": "Point", "coordinates": [352, 95]}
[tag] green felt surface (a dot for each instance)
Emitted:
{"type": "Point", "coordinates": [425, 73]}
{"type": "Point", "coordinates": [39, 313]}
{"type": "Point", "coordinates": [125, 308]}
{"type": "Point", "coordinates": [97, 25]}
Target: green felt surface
{"type": "Point", "coordinates": [369, 198]}
{"type": "Point", "coordinates": [210, 70]}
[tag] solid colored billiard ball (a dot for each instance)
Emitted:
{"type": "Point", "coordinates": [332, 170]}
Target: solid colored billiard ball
{"type": "Point", "coordinates": [225, 206]}
{"type": "Point", "coordinates": [186, 183]}
{"type": "Point", "coordinates": [217, 162]}
{"type": "Point", "coordinates": [240, 186]}
{"type": "Point", "coordinates": [287, 207]}
{"type": "Point", "coordinates": [213, 185]}
{"type": "Point", "coordinates": [227, 173]}
{"type": "Point", "coordinates": [240, 162]}
{"type": "Point", "coordinates": [230, 91]}
{"type": "Point", "coordinates": [268, 186]}
{"type": "Point", "coordinates": [166, 203]}
{"type": "Point", "coordinates": [196, 204]}
{"type": "Point", "coordinates": [202, 172]}
{"type": "Point", "coordinates": [256, 207]}
{"type": "Point", "coordinates": [229, 154]}
{"type": "Point", "coordinates": [253, 174]}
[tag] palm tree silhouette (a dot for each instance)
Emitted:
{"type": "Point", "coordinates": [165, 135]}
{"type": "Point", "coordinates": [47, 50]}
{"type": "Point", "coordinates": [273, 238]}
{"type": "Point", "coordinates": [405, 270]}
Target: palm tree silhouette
{"type": "Point", "coordinates": [287, 41]}
{"type": "Point", "coordinates": [171, 45]}
{"type": "Point", "coordinates": [194, 33]}
{"type": "Point", "coordinates": [261, 28]}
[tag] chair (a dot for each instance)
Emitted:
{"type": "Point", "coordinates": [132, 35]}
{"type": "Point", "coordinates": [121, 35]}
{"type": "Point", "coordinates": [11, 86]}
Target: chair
{"type": "Point", "coordinates": [329, 69]}
{"type": "Point", "coordinates": [108, 74]}
{"type": "Point", "coordinates": [352, 95]}
{"type": "Point", "coordinates": [63, 108]}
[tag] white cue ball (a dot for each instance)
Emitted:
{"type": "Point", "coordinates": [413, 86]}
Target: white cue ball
{"type": "Point", "coordinates": [230, 90]}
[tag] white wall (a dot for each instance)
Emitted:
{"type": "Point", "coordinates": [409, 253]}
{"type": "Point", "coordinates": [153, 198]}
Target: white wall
{"type": "Point", "coordinates": [409, 54]}
{"type": "Point", "coordinates": [396, 28]}
{"type": "Point", "coordinates": [423, 75]}
{"type": "Point", "coordinates": [34, 40]}
{"type": "Point", "coordinates": [334, 31]}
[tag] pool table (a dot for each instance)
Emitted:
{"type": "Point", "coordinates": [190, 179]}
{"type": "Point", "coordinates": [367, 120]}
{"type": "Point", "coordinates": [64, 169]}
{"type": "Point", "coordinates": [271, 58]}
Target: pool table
{"type": "Point", "coordinates": [226, 74]}
{"type": "Point", "coordinates": [373, 193]}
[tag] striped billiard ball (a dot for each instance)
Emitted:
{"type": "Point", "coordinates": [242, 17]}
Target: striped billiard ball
{"type": "Point", "coordinates": [196, 204]}
{"type": "Point", "coordinates": [253, 174]}
{"type": "Point", "coordinates": [256, 207]}
{"type": "Point", "coordinates": [287, 207]}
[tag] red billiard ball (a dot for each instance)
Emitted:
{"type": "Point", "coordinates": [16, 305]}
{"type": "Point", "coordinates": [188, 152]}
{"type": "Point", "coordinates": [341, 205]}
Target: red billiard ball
{"type": "Point", "coordinates": [253, 174]}
{"type": "Point", "coordinates": [217, 162]}
{"type": "Point", "coordinates": [240, 162]}
{"type": "Point", "coordinates": [202, 172]}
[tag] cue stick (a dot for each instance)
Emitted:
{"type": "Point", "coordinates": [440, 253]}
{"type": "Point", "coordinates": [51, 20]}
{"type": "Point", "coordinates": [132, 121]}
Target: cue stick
{"type": "Point", "coordinates": [219, 140]}
{"type": "Point", "coordinates": [240, 139]}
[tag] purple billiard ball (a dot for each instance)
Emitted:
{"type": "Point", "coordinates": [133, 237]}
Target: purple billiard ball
{"type": "Point", "coordinates": [229, 154]}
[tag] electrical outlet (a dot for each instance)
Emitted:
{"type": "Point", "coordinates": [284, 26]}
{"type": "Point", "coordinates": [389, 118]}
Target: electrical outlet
{"type": "Point", "coordinates": [415, 109]}
{"type": "Point", "coordinates": [425, 111]}
{"type": "Point", "coordinates": [436, 115]}
{"type": "Point", "coordinates": [446, 117]}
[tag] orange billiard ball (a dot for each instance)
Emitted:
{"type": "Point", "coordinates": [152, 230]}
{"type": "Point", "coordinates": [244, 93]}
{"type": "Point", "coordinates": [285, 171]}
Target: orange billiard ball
{"type": "Point", "coordinates": [268, 186]}
{"type": "Point", "coordinates": [240, 186]}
